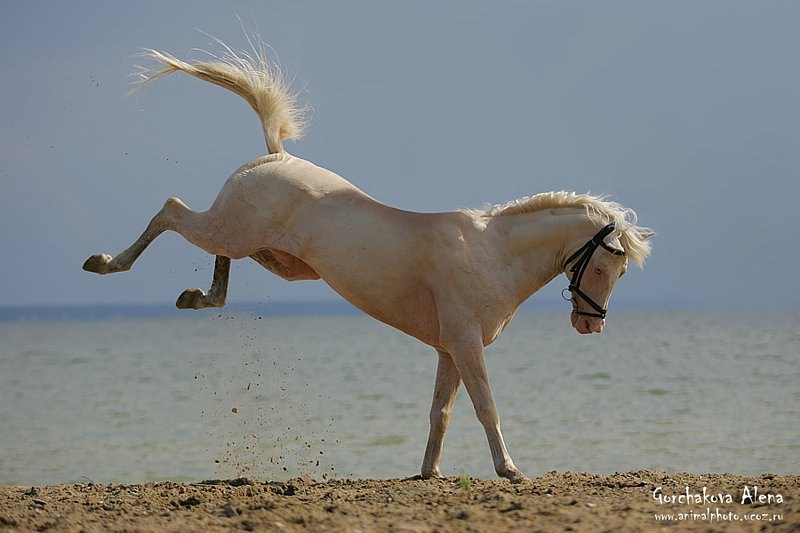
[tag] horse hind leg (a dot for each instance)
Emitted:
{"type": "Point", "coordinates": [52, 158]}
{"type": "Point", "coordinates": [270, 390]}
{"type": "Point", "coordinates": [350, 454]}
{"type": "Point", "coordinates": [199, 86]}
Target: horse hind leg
{"type": "Point", "coordinates": [171, 217]}
{"type": "Point", "coordinates": [217, 295]}
{"type": "Point", "coordinates": [193, 226]}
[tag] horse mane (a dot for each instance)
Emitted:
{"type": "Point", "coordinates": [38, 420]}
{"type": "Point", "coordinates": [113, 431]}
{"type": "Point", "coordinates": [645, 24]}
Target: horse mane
{"type": "Point", "coordinates": [632, 237]}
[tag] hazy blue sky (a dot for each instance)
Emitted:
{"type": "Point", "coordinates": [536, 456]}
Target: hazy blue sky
{"type": "Point", "coordinates": [688, 112]}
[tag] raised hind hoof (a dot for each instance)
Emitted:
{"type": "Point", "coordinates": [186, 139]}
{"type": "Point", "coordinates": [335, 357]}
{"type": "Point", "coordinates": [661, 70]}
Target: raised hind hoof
{"type": "Point", "coordinates": [197, 299]}
{"type": "Point", "coordinates": [191, 299]}
{"type": "Point", "coordinates": [99, 264]}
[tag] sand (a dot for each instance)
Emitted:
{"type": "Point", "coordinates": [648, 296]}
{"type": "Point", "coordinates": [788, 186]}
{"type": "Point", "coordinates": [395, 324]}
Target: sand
{"type": "Point", "coordinates": [553, 502]}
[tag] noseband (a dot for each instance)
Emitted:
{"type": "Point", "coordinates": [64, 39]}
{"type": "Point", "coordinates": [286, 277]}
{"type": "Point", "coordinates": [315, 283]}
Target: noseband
{"type": "Point", "coordinates": [583, 255]}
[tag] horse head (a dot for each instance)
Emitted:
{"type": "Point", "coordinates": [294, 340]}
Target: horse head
{"type": "Point", "coordinates": [593, 271]}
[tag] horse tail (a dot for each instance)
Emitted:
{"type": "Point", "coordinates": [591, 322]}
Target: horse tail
{"type": "Point", "coordinates": [255, 79]}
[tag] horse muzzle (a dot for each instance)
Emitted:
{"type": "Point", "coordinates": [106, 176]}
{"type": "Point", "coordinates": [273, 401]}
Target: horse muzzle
{"type": "Point", "coordinates": [587, 324]}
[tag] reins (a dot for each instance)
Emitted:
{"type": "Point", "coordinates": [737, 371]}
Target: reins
{"type": "Point", "coordinates": [583, 255]}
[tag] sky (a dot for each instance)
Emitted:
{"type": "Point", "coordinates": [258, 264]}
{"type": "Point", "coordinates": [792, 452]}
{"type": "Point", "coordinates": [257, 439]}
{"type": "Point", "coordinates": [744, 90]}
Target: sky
{"type": "Point", "coordinates": [687, 112]}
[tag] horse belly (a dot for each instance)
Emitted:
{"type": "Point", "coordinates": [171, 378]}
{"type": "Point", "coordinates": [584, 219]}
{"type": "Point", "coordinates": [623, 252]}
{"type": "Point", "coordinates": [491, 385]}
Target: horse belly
{"type": "Point", "coordinates": [408, 307]}
{"type": "Point", "coordinates": [284, 265]}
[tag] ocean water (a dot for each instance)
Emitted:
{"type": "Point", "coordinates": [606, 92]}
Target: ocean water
{"type": "Point", "coordinates": [224, 395]}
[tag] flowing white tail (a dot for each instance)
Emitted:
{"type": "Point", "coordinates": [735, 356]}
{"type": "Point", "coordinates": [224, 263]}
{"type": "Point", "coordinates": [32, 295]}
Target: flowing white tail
{"type": "Point", "coordinates": [255, 79]}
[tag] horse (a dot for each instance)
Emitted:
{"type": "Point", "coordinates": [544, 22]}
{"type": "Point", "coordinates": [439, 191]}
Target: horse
{"type": "Point", "coordinates": [453, 280]}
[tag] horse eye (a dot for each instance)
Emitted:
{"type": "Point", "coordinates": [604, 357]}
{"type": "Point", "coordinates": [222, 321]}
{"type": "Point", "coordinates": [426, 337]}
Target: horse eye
{"type": "Point", "coordinates": [598, 271]}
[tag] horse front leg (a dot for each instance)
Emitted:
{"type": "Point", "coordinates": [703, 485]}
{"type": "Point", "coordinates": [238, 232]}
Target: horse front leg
{"type": "Point", "coordinates": [467, 354]}
{"type": "Point", "coordinates": [197, 299]}
{"type": "Point", "coordinates": [444, 396]}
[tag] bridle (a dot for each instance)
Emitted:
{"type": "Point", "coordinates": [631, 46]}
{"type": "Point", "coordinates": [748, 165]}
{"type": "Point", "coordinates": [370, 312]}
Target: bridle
{"type": "Point", "coordinates": [583, 255]}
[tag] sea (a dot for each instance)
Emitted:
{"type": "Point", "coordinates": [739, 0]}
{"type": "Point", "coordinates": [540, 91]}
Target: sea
{"type": "Point", "coordinates": [136, 394]}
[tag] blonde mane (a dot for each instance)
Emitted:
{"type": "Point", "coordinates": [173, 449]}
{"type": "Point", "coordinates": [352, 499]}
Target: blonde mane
{"type": "Point", "coordinates": [632, 237]}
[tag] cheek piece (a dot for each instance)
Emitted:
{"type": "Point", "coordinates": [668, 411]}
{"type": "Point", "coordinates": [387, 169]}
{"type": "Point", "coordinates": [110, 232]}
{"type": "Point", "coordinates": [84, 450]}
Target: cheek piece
{"type": "Point", "coordinates": [581, 259]}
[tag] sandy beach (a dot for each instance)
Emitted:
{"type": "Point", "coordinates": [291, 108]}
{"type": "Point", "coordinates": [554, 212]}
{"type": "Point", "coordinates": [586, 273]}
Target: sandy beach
{"type": "Point", "coordinates": [633, 501]}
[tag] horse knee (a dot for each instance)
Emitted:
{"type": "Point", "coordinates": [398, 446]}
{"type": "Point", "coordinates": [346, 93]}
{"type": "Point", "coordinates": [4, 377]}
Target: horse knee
{"type": "Point", "coordinates": [488, 417]}
{"type": "Point", "coordinates": [440, 418]}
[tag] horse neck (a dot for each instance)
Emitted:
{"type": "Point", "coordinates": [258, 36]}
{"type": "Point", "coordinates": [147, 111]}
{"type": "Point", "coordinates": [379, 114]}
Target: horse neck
{"type": "Point", "coordinates": [541, 241]}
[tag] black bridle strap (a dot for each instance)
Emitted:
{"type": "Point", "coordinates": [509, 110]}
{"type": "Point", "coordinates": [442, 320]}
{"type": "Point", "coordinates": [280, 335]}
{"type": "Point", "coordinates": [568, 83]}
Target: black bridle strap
{"type": "Point", "coordinates": [583, 256]}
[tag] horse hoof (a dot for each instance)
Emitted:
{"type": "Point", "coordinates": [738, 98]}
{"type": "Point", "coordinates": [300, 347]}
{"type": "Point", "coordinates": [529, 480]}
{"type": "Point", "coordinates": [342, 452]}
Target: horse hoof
{"type": "Point", "coordinates": [513, 475]}
{"type": "Point", "coordinates": [98, 264]}
{"type": "Point", "coordinates": [518, 477]}
{"type": "Point", "coordinates": [433, 474]}
{"type": "Point", "coordinates": [190, 299]}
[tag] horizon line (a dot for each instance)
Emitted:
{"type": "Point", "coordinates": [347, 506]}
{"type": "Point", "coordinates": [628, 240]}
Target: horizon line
{"type": "Point", "coordinates": [285, 308]}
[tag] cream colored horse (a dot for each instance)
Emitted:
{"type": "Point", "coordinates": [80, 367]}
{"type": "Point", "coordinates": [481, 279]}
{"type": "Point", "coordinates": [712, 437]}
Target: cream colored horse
{"type": "Point", "coordinates": [452, 280]}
